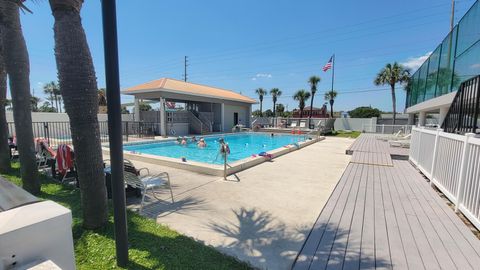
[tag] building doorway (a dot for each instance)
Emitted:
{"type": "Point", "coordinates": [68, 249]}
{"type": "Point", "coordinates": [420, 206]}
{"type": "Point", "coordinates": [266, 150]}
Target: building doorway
{"type": "Point", "coordinates": [235, 119]}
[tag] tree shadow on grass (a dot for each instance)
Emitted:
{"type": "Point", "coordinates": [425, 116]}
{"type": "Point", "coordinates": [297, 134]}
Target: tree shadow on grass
{"type": "Point", "coordinates": [151, 246]}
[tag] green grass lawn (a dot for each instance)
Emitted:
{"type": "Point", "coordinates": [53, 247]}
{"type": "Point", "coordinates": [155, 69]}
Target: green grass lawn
{"type": "Point", "coordinates": [152, 246]}
{"type": "Point", "coordinates": [344, 134]}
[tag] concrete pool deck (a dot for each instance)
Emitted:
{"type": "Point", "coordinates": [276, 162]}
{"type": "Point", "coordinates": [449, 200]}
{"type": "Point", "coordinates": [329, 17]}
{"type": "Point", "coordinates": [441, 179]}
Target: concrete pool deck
{"type": "Point", "coordinates": [265, 217]}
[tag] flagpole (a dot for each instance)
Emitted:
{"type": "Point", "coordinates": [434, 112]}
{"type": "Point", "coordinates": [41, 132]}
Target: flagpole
{"type": "Point", "coordinates": [333, 79]}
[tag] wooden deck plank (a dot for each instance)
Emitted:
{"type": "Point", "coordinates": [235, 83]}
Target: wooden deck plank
{"type": "Point", "coordinates": [397, 250]}
{"type": "Point", "coordinates": [382, 247]}
{"type": "Point", "coordinates": [320, 260]}
{"type": "Point", "coordinates": [386, 217]}
{"type": "Point", "coordinates": [424, 247]}
{"type": "Point", "coordinates": [309, 248]}
{"type": "Point", "coordinates": [411, 249]}
{"type": "Point", "coordinates": [417, 188]}
{"type": "Point", "coordinates": [367, 251]}
{"type": "Point", "coordinates": [337, 254]}
{"type": "Point", "coordinates": [434, 240]}
{"type": "Point", "coordinates": [352, 254]}
{"type": "Point", "coordinates": [466, 242]}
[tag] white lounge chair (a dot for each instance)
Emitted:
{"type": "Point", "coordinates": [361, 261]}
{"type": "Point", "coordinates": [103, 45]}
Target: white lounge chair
{"type": "Point", "coordinates": [303, 124]}
{"type": "Point", "coordinates": [293, 124]}
{"type": "Point", "coordinates": [400, 143]}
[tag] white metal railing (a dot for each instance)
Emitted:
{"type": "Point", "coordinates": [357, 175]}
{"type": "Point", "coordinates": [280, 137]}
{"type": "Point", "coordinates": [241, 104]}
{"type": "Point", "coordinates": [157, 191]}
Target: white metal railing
{"type": "Point", "coordinates": [452, 163]}
{"type": "Point", "coordinates": [387, 129]}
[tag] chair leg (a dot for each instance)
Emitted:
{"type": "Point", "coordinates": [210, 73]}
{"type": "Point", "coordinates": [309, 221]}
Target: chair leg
{"type": "Point", "coordinates": [170, 187]}
{"type": "Point", "coordinates": [144, 191]}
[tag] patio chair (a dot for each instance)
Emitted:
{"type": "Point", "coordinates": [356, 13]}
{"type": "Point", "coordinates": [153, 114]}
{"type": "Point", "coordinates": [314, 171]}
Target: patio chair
{"type": "Point", "coordinates": [390, 137]}
{"type": "Point", "coordinates": [144, 181]}
{"type": "Point", "coordinates": [293, 124]}
{"type": "Point", "coordinates": [303, 124]}
{"type": "Point", "coordinates": [400, 143]}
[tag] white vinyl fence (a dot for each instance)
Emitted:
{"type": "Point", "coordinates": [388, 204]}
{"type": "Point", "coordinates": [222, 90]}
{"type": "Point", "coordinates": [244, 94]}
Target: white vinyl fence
{"type": "Point", "coordinates": [452, 163]}
{"type": "Point", "coordinates": [387, 129]}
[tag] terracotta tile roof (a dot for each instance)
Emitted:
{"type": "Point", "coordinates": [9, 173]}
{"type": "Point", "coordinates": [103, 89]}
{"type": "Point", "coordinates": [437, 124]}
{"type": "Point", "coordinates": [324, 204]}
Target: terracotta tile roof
{"type": "Point", "coordinates": [188, 88]}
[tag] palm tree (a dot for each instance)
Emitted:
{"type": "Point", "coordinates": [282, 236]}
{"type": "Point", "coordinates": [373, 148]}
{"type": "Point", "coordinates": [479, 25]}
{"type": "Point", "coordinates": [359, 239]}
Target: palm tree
{"type": "Point", "coordinates": [102, 97]}
{"type": "Point", "coordinates": [34, 101]}
{"type": "Point", "coordinates": [301, 96]}
{"type": "Point", "coordinates": [330, 96]}
{"type": "Point", "coordinates": [313, 81]}
{"type": "Point", "coordinates": [53, 91]}
{"type": "Point", "coordinates": [392, 74]}
{"type": "Point", "coordinates": [275, 92]}
{"type": "Point", "coordinates": [17, 66]}
{"type": "Point", "coordinates": [78, 85]}
{"type": "Point", "coordinates": [57, 95]}
{"type": "Point", "coordinates": [261, 93]}
{"type": "Point", "coordinates": [4, 148]}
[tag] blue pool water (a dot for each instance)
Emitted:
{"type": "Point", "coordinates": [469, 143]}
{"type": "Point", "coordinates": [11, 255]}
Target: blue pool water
{"type": "Point", "coordinates": [241, 146]}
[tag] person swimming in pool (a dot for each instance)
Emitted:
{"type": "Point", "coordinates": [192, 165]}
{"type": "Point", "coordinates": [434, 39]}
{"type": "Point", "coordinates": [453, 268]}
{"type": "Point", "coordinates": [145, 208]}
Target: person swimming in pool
{"type": "Point", "coordinates": [194, 139]}
{"type": "Point", "coordinates": [179, 140]}
{"type": "Point", "coordinates": [184, 141]}
{"type": "Point", "coordinates": [201, 143]}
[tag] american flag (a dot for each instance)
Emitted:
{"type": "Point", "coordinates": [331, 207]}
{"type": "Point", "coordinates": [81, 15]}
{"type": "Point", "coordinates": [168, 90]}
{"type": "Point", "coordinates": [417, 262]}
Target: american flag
{"type": "Point", "coordinates": [328, 65]}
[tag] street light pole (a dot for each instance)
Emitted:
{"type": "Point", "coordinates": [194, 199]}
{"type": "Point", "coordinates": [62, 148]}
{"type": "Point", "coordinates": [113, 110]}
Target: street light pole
{"type": "Point", "coordinates": [110, 45]}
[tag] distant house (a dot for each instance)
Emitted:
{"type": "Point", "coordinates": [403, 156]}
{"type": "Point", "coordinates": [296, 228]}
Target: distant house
{"type": "Point", "coordinates": [316, 113]}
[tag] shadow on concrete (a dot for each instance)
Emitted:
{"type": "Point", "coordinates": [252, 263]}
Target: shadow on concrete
{"type": "Point", "coordinates": [258, 238]}
{"type": "Point", "coordinates": [263, 241]}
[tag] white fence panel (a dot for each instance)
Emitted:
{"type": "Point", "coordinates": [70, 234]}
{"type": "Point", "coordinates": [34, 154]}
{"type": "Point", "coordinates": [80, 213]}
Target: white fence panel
{"type": "Point", "coordinates": [425, 157]}
{"type": "Point", "coordinates": [447, 166]}
{"type": "Point", "coordinates": [452, 163]}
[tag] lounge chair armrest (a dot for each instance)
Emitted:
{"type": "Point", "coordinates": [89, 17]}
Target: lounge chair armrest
{"type": "Point", "coordinates": [143, 170]}
{"type": "Point", "coordinates": [163, 175]}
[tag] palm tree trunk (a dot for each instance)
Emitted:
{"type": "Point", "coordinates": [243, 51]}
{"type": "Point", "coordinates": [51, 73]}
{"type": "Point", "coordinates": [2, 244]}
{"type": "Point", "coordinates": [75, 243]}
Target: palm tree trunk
{"type": "Point", "coordinates": [78, 86]}
{"type": "Point", "coordinates": [51, 101]}
{"type": "Point", "coordinates": [4, 148]}
{"type": "Point", "coordinates": [311, 111]}
{"type": "Point", "coordinates": [261, 111]}
{"type": "Point", "coordinates": [18, 69]}
{"type": "Point", "coordinates": [56, 102]}
{"type": "Point", "coordinates": [394, 105]}
{"type": "Point", "coordinates": [301, 113]}
{"type": "Point", "coordinates": [331, 109]}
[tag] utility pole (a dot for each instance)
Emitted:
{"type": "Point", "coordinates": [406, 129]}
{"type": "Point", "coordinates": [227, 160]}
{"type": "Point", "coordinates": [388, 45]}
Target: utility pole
{"type": "Point", "coordinates": [185, 76]}
{"type": "Point", "coordinates": [452, 17]}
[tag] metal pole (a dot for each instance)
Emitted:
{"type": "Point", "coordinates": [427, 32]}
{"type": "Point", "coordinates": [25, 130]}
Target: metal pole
{"type": "Point", "coordinates": [333, 79]}
{"type": "Point", "coordinates": [452, 17]}
{"type": "Point", "coordinates": [225, 166]}
{"type": "Point", "coordinates": [115, 129]}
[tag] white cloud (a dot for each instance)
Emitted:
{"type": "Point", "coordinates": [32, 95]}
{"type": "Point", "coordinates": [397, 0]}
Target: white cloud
{"type": "Point", "coordinates": [475, 66]}
{"type": "Point", "coordinates": [261, 76]}
{"type": "Point", "coordinates": [414, 63]}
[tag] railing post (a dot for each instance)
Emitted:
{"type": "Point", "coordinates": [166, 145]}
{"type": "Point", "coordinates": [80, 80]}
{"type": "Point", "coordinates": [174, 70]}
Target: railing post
{"type": "Point", "coordinates": [126, 131]}
{"type": "Point", "coordinates": [463, 170]}
{"type": "Point", "coordinates": [434, 158]}
{"type": "Point", "coordinates": [383, 128]}
{"type": "Point", "coordinates": [417, 161]}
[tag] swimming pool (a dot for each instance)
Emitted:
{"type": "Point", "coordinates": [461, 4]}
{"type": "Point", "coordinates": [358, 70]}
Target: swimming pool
{"type": "Point", "coordinates": [242, 146]}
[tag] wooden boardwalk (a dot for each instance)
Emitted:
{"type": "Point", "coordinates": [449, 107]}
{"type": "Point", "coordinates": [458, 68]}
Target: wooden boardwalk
{"type": "Point", "coordinates": [370, 143]}
{"type": "Point", "coordinates": [381, 159]}
{"type": "Point", "coordinates": [381, 217]}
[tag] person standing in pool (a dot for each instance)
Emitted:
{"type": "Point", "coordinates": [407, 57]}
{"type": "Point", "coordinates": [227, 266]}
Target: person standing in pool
{"type": "Point", "coordinates": [179, 140]}
{"type": "Point", "coordinates": [194, 139]}
{"type": "Point", "coordinates": [202, 143]}
{"type": "Point", "coordinates": [184, 141]}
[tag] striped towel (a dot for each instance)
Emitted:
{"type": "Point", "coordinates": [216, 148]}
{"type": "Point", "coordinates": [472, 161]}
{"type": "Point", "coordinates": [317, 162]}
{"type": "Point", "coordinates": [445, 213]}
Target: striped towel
{"type": "Point", "coordinates": [64, 158]}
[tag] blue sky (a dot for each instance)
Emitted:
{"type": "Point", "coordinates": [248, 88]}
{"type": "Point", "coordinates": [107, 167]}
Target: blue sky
{"type": "Point", "coordinates": [243, 45]}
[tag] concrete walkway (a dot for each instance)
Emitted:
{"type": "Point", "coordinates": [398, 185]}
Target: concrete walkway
{"type": "Point", "coordinates": [265, 217]}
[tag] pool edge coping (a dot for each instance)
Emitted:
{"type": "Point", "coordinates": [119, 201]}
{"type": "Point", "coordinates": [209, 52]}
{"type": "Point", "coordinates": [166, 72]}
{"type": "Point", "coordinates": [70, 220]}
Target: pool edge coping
{"type": "Point", "coordinates": [212, 169]}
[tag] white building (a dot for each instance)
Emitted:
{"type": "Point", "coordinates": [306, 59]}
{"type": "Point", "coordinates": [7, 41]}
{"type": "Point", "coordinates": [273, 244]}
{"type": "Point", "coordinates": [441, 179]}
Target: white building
{"type": "Point", "coordinates": [206, 109]}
